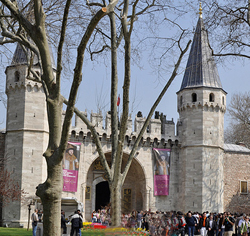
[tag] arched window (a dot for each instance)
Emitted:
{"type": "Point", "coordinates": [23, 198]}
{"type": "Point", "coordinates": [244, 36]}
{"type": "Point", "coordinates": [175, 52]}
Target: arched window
{"type": "Point", "coordinates": [194, 97]}
{"type": "Point", "coordinates": [17, 76]}
{"type": "Point", "coordinates": [211, 97]}
{"type": "Point", "coordinates": [223, 100]}
{"type": "Point", "coordinates": [181, 100]}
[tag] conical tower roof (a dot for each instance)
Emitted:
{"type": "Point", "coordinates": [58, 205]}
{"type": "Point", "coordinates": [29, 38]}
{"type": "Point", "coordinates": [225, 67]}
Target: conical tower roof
{"type": "Point", "coordinates": [19, 57]}
{"type": "Point", "coordinates": [201, 70]}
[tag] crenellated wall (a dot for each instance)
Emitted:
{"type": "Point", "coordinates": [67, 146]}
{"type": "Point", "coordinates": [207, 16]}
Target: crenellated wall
{"type": "Point", "coordinates": [159, 130]}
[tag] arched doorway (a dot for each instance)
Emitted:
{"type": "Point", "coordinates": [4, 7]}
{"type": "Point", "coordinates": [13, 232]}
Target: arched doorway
{"type": "Point", "coordinates": [102, 195]}
{"type": "Point", "coordinates": [133, 196]}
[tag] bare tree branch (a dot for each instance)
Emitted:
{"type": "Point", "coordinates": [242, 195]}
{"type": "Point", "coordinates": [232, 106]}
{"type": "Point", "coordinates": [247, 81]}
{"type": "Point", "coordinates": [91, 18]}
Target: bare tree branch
{"type": "Point", "coordinates": [132, 153]}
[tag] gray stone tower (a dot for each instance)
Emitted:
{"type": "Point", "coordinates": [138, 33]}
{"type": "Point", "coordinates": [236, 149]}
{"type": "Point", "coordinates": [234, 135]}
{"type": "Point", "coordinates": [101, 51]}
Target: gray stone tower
{"type": "Point", "coordinates": [201, 107]}
{"type": "Point", "coordinates": [26, 134]}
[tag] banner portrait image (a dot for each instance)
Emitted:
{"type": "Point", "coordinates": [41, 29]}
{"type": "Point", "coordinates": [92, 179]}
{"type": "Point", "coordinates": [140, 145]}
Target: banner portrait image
{"type": "Point", "coordinates": [71, 166]}
{"type": "Point", "coordinates": [161, 171]}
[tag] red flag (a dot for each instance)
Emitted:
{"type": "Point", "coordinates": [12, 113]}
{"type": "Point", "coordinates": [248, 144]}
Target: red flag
{"type": "Point", "coordinates": [118, 100]}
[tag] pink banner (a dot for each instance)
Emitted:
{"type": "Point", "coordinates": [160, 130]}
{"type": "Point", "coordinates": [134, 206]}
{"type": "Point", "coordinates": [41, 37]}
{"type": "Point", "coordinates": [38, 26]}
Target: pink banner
{"type": "Point", "coordinates": [70, 179]}
{"type": "Point", "coordinates": [161, 183]}
{"type": "Point", "coordinates": [161, 171]}
{"type": "Point", "coordinates": [71, 166]}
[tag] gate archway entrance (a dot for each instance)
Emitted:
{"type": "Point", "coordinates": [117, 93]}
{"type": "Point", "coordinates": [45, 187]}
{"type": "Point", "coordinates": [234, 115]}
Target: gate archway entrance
{"type": "Point", "coordinates": [102, 195]}
{"type": "Point", "coordinates": [134, 194]}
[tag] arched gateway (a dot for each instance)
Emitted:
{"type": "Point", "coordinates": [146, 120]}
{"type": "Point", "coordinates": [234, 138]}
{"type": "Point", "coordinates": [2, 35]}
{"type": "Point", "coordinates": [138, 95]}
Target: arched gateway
{"type": "Point", "coordinates": [133, 190]}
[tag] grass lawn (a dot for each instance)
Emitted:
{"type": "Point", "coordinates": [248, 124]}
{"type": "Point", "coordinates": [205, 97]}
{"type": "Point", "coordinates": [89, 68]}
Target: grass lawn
{"type": "Point", "coordinates": [89, 232]}
{"type": "Point", "coordinates": [15, 232]}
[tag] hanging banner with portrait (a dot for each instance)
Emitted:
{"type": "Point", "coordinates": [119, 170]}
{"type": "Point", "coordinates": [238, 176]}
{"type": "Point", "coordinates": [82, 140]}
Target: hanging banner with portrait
{"type": "Point", "coordinates": [71, 166]}
{"type": "Point", "coordinates": [161, 171]}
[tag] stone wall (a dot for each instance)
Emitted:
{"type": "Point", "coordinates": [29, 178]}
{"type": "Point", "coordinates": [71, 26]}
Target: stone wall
{"type": "Point", "coordinates": [2, 143]}
{"type": "Point", "coordinates": [236, 169]}
{"type": "Point", "coordinates": [201, 135]}
{"type": "Point", "coordinates": [141, 173]}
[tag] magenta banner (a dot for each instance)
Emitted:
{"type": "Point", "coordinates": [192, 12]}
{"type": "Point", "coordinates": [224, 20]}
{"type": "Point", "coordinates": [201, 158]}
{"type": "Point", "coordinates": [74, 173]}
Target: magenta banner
{"type": "Point", "coordinates": [161, 171]}
{"type": "Point", "coordinates": [71, 166]}
{"type": "Point", "coordinates": [161, 183]}
{"type": "Point", "coordinates": [70, 179]}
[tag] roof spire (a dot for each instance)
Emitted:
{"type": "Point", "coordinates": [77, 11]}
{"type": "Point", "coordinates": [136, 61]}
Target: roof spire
{"type": "Point", "coordinates": [200, 11]}
{"type": "Point", "coordinates": [201, 70]}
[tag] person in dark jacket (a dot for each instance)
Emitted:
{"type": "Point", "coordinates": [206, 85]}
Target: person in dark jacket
{"type": "Point", "coordinates": [80, 214]}
{"type": "Point", "coordinates": [203, 224]}
{"type": "Point", "coordinates": [76, 220]}
{"type": "Point", "coordinates": [63, 223]}
{"type": "Point", "coordinates": [191, 223]}
{"type": "Point", "coordinates": [211, 226]}
{"type": "Point", "coordinates": [229, 223]}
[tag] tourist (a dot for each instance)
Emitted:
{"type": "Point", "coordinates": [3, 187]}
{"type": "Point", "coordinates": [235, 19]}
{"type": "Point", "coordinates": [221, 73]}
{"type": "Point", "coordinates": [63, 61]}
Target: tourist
{"type": "Point", "coordinates": [34, 218]}
{"type": "Point", "coordinates": [182, 223]}
{"type": "Point", "coordinates": [203, 224]}
{"type": "Point", "coordinates": [63, 223]}
{"type": "Point", "coordinates": [175, 222]}
{"type": "Point", "coordinates": [222, 224]}
{"type": "Point", "coordinates": [80, 214]}
{"type": "Point", "coordinates": [132, 221]}
{"type": "Point", "coordinates": [237, 227]}
{"type": "Point", "coordinates": [94, 218]}
{"type": "Point", "coordinates": [211, 226]}
{"type": "Point", "coordinates": [243, 225]}
{"type": "Point", "coordinates": [98, 216]}
{"type": "Point", "coordinates": [217, 222]}
{"type": "Point", "coordinates": [76, 221]}
{"type": "Point", "coordinates": [229, 223]}
{"type": "Point", "coordinates": [146, 220]}
{"type": "Point", "coordinates": [139, 219]}
{"type": "Point", "coordinates": [191, 223]}
{"type": "Point", "coordinates": [124, 220]}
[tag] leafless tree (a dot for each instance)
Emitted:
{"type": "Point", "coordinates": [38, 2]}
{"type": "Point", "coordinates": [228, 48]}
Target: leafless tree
{"type": "Point", "coordinates": [111, 24]}
{"type": "Point", "coordinates": [230, 26]}
{"type": "Point", "coordinates": [9, 188]}
{"type": "Point", "coordinates": [239, 111]}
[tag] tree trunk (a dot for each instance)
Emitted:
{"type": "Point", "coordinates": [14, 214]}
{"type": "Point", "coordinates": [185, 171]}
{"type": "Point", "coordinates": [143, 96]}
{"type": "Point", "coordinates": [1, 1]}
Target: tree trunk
{"type": "Point", "coordinates": [50, 194]}
{"type": "Point", "coordinates": [115, 192]}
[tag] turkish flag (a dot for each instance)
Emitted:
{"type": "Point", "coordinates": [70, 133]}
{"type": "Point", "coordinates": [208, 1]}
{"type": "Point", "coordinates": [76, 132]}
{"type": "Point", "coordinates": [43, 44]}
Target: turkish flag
{"type": "Point", "coordinates": [118, 100]}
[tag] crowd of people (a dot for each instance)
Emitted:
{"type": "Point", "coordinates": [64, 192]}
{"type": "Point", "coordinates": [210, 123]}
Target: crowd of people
{"type": "Point", "coordinates": [102, 216]}
{"type": "Point", "coordinates": [176, 223]}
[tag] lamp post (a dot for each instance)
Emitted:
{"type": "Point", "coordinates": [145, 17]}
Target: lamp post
{"type": "Point", "coordinates": [29, 209]}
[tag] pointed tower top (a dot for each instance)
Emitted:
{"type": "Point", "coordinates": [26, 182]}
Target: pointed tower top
{"type": "Point", "coordinates": [201, 70]}
{"type": "Point", "coordinates": [200, 11]}
{"type": "Point", "coordinates": [19, 56]}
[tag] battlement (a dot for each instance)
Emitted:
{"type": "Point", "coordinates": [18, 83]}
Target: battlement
{"type": "Point", "coordinates": [159, 130]}
{"type": "Point", "coordinates": [16, 79]}
{"type": "Point", "coordinates": [205, 98]}
{"type": "Point", "coordinates": [206, 106]}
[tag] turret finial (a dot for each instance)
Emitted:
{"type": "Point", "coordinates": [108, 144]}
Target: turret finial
{"type": "Point", "coordinates": [200, 11]}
